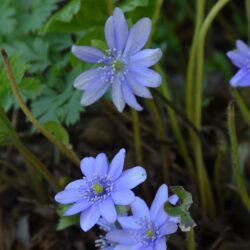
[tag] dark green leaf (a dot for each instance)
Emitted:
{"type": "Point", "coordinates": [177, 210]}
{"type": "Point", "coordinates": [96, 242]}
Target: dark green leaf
{"type": "Point", "coordinates": [7, 17]}
{"type": "Point", "coordinates": [129, 5]}
{"type": "Point", "coordinates": [182, 210]}
{"type": "Point", "coordinates": [66, 221]}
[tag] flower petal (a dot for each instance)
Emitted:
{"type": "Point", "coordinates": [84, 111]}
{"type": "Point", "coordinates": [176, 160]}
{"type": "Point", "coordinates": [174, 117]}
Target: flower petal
{"type": "Point", "coordinates": [168, 228]}
{"type": "Point", "coordinates": [97, 90]}
{"type": "Point", "coordinates": [140, 209]}
{"type": "Point", "coordinates": [101, 164]}
{"type": "Point", "coordinates": [242, 47]}
{"type": "Point", "coordinates": [89, 217]}
{"type": "Point", "coordinates": [160, 244]}
{"type": "Point", "coordinates": [121, 236]}
{"type": "Point", "coordinates": [109, 32]}
{"type": "Point", "coordinates": [129, 222]}
{"type": "Point", "coordinates": [137, 89]}
{"type": "Point", "coordinates": [236, 80]}
{"type": "Point", "coordinates": [160, 198]}
{"type": "Point", "coordinates": [120, 29]}
{"type": "Point", "coordinates": [131, 178]}
{"type": "Point", "coordinates": [117, 164]}
{"type": "Point", "coordinates": [123, 197]}
{"type": "Point", "coordinates": [173, 199]}
{"type": "Point", "coordinates": [68, 196]}
{"type": "Point", "coordinates": [237, 58]}
{"type": "Point", "coordinates": [147, 77]}
{"type": "Point", "coordinates": [108, 211]}
{"type": "Point", "coordinates": [117, 95]}
{"type": "Point", "coordinates": [87, 166]}
{"type": "Point", "coordinates": [116, 30]}
{"type": "Point", "coordinates": [130, 98]}
{"type": "Point", "coordinates": [145, 58]}
{"type": "Point", "coordinates": [87, 53]}
{"type": "Point", "coordinates": [75, 184]}
{"type": "Point", "coordinates": [244, 81]}
{"type": "Point", "coordinates": [77, 208]}
{"type": "Point", "coordinates": [85, 78]}
{"type": "Point", "coordinates": [138, 36]}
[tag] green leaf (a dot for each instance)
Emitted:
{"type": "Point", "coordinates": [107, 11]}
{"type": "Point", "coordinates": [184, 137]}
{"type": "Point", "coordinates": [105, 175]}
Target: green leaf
{"type": "Point", "coordinates": [182, 210]}
{"type": "Point", "coordinates": [33, 13]}
{"type": "Point", "coordinates": [64, 15]}
{"type": "Point", "coordinates": [129, 5]}
{"type": "Point", "coordinates": [99, 44]}
{"type": "Point", "coordinates": [7, 17]}
{"type": "Point", "coordinates": [66, 221]}
{"type": "Point", "coordinates": [58, 131]}
{"type": "Point", "coordinates": [76, 16]}
{"type": "Point", "coordinates": [6, 97]}
{"type": "Point", "coordinates": [30, 88]}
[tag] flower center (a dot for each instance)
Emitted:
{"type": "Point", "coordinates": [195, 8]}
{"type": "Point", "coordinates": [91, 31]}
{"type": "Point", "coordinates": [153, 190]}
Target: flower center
{"type": "Point", "coordinates": [118, 65]}
{"type": "Point", "coordinates": [150, 233]}
{"type": "Point", "coordinates": [98, 188]}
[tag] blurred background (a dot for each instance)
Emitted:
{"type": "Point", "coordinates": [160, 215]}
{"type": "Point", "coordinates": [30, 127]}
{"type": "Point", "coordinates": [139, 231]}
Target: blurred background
{"type": "Point", "coordinates": [38, 35]}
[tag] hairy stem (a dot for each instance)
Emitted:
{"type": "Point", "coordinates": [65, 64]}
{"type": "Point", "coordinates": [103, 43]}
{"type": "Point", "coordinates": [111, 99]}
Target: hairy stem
{"type": "Point", "coordinates": [206, 197]}
{"type": "Point", "coordinates": [191, 240]}
{"type": "Point", "coordinates": [200, 10]}
{"type": "Point", "coordinates": [235, 157]}
{"type": "Point", "coordinates": [64, 149]}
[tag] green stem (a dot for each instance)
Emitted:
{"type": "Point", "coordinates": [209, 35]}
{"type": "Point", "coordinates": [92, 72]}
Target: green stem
{"type": "Point", "coordinates": [177, 132]}
{"type": "Point", "coordinates": [138, 147]}
{"type": "Point", "coordinates": [155, 17]}
{"type": "Point", "coordinates": [110, 6]}
{"type": "Point", "coordinates": [235, 157]}
{"type": "Point", "coordinates": [137, 136]}
{"type": "Point", "coordinates": [190, 240]}
{"type": "Point", "coordinates": [63, 148]}
{"type": "Point", "coordinates": [160, 129]}
{"type": "Point", "coordinates": [242, 106]}
{"type": "Point", "coordinates": [206, 197]}
{"type": "Point", "coordinates": [189, 91]}
{"type": "Point", "coordinates": [248, 18]}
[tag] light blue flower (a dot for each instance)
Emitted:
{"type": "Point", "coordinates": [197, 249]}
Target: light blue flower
{"type": "Point", "coordinates": [103, 243]}
{"type": "Point", "coordinates": [124, 67]}
{"type": "Point", "coordinates": [241, 59]}
{"type": "Point", "coordinates": [147, 228]}
{"type": "Point", "coordinates": [104, 186]}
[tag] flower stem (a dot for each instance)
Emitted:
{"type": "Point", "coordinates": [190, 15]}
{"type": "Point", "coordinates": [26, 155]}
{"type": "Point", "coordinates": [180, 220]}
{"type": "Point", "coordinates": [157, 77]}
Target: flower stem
{"type": "Point", "coordinates": [67, 151]}
{"type": "Point", "coordinates": [206, 197]}
{"type": "Point", "coordinates": [235, 157]}
{"type": "Point", "coordinates": [138, 147]}
{"type": "Point", "coordinates": [155, 17]}
{"type": "Point", "coordinates": [177, 131]}
{"type": "Point", "coordinates": [248, 18]}
{"type": "Point", "coordinates": [160, 129]}
{"type": "Point", "coordinates": [137, 136]}
{"type": "Point", "coordinates": [110, 5]}
{"type": "Point", "coordinates": [190, 240]}
{"type": "Point", "coordinates": [200, 10]}
{"type": "Point", "coordinates": [242, 106]}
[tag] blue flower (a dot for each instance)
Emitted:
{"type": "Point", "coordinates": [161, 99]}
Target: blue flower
{"type": "Point", "coordinates": [146, 228]}
{"type": "Point", "coordinates": [124, 66]}
{"type": "Point", "coordinates": [104, 186]}
{"type": "Point", "coordinates": [103, 243]}
{"type": "Point", "coordinates": [241, 59]}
